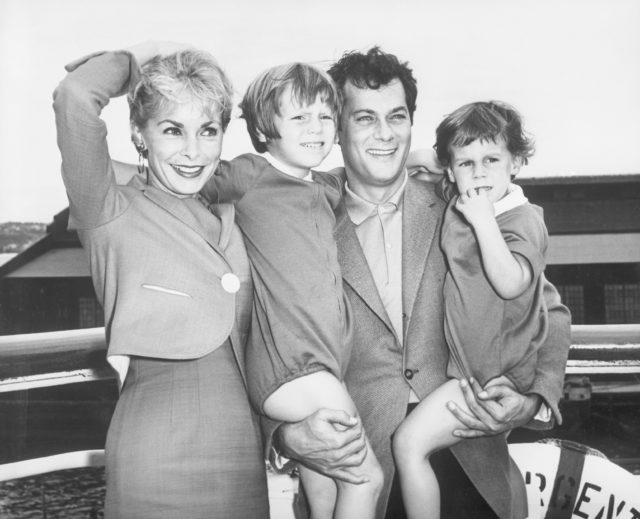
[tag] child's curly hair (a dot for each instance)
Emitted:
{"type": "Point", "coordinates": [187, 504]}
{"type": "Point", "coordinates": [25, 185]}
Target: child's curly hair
{"type": "Point", "coordinates": [484, 121]}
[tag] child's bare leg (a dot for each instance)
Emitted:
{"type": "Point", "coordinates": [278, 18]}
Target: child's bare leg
{"type": "Point", "coordinates": [427, 429]}
{"type": "Point", "coordinates": [321, 493]}
{"type": "Point", "coordinates": [296, 400]}
{"type": "Point", "coordinates": [328, 498]}
{"type": "Point", "coordinates": [359, 501]}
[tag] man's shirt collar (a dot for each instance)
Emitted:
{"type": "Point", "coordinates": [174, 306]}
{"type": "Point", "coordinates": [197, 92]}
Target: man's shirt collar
{"type": "Point", "coordinates": [360, 209]}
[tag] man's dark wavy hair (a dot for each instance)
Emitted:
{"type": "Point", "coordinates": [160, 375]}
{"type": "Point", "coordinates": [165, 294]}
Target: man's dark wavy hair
{"type": "Point", "coordinates": [373, 70]}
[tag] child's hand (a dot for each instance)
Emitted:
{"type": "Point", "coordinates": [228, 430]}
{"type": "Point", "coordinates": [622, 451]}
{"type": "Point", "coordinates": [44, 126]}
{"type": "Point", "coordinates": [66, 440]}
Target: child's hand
{"type": "Point", "coordinates": [475, 206]}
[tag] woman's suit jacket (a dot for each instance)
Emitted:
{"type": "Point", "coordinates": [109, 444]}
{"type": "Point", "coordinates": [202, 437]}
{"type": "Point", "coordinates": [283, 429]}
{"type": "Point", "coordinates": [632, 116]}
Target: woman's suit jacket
{"type": "Point", "coordinates": [381, 372]}
{"type": "Point", "coordinates": [156, 267]}
{"type": "Point", "coordinates": [183, 439]}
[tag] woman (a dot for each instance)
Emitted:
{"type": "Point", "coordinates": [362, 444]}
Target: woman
{"type": "Point", "coordinates": [173, 279]}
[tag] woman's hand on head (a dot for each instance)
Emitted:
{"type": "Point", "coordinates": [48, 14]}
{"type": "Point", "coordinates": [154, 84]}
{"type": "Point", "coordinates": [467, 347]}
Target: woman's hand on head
{"type": "Point", "coordinates": [147, 50]}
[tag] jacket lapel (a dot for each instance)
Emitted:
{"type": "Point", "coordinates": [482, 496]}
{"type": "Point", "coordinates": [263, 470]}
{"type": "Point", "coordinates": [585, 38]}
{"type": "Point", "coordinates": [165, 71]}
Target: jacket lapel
{"type": "Point", "coordinates": [355, 269]}
{"type": "Point", "coordinates": [419, 223]}
{"type": "Point", "coordinates": [225, 212]}
{"type": "Point", "coordinates": [175, 207]}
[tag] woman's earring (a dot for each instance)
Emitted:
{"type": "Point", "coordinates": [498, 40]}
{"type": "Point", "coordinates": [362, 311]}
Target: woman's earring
{"type": "Point", "coordinates": [142, 154]}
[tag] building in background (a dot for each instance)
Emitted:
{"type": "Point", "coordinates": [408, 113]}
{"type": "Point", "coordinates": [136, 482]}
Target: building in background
{"type": "Point", "coordinates": [594, 244]}
{"type": "Point", "coordinates": [47, 287]}
{"type": "Point", "coordinates": [593, 259]}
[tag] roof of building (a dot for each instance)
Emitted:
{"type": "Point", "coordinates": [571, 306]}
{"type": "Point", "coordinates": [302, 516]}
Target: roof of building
{"type": "Point", "coordinates": [57, 254]}
{"type": "Point", "coordinates": [610, 178]}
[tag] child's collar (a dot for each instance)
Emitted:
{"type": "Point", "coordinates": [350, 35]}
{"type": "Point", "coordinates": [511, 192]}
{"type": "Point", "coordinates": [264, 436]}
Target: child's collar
{"type": "Point", "coordinates": [513, 198]}
{"type": "Point", "coordinates": [278, 164]}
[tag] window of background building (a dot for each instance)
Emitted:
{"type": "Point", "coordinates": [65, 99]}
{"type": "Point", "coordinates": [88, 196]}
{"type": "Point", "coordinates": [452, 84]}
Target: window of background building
{"type": "Point", "coordinates": [573, 297]}
{"type": "Point", "coordinates": [622, 303]}
{"type": "Point", "coordinates": [89, 313]}
{"type": "Point", "coordinates": [603, 293]}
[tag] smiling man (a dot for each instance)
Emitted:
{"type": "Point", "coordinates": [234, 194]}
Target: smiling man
{"type": "Point", "coordinates": [388, 230]}
{"type": "Point", "coordinates": [375, 138]}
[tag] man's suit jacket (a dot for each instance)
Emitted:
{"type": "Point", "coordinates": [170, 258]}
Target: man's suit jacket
{"type": "Point", "coordinates": [381, 371]}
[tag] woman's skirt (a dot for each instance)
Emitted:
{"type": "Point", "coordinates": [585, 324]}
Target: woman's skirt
{"type": "Point", "coordinates": [183, 443]}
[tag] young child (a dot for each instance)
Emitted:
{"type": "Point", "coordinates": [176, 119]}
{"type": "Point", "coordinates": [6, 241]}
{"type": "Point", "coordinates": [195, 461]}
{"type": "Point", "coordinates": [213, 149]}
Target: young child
{"type": "Point", "coordinates": [495, 318]}
{"type": "Point", "coordinates": [299, 341]}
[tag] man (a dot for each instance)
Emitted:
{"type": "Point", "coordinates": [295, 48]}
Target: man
{"type": "Point", "coordinates": [393, 269]}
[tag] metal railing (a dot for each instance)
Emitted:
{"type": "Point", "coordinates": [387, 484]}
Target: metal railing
{"type": "Point", "coordinates": [603, 359]}
{"type": "Point", "coordinates": [48, 359]}
{"type": "Point", "coordinates": [37, 360]}
{"type": "Point", "coordinates": [604, 349]}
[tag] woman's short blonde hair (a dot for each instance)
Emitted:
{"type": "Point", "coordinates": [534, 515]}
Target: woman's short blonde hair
{"type": "Point", "coordinates": [262, 100]}
{"type": "Point", "coordinates": [188, 74]}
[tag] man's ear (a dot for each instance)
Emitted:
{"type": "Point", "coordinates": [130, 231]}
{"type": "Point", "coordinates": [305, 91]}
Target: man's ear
{"type": "Point", "coordinates": [261, 136]}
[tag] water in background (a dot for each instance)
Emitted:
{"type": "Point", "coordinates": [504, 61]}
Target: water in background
{"type": "Point", "coordinates": [68, 494]}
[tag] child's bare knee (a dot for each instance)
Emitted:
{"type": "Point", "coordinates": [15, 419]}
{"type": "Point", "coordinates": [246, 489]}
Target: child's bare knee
{"type": "Point", "coordinates": [321, 506]}
{"type": "Point", "coordinates": [377, 479]}
{"type": "Point", "coordinates": [403, 445]}
{"type": "Point", "coordinates": [368, 491]}
{"type": "Point", "coordinates": [372, 488]}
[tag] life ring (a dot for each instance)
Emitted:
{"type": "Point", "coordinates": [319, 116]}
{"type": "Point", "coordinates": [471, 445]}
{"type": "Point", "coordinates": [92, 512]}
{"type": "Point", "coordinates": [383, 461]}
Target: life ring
{"type": "Point", "coordinates": [566, 480]}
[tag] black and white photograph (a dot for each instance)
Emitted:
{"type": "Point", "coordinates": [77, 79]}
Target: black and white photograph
{"type": "Point", "coordinates": [350, 259]}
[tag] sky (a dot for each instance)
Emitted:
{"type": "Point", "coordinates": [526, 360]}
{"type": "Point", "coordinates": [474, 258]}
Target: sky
{"type": "Point", "coordinates": [572, 68]}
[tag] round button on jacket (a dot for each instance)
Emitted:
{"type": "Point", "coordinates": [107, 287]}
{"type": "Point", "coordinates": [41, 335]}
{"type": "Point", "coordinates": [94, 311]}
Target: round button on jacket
{"type": "Point", "coordinates": [408, 374]}
{"type": "Point", "coordinates": [230, 283]}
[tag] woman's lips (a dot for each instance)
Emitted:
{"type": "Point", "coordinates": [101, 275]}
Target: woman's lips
{"type": "Point", "coordinates": [187, 171]}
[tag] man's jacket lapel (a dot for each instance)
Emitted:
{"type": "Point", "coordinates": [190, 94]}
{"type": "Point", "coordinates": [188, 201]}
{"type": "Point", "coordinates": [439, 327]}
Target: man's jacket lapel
{"type": "Point", "coordinates": [419, 224]}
